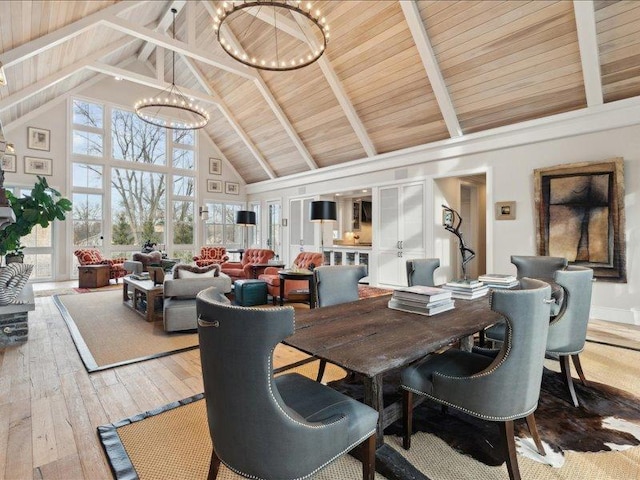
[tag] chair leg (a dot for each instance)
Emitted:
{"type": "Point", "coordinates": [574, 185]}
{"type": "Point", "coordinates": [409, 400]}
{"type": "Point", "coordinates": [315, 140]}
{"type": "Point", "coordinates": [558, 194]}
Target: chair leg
{"type": "Point", "coordinates": [533, 429]}
{"type": "Point", "coordinates": [481, 338]}
{"type": "Point", "coordinates": [369, 458]}
{"type": "Point", "coordinates": [321, 367]}
{"type": "Point", "coordinates": [407, 418]}
{"type": "Point", "coordinates": [565, 367]}
{"type": "Point", "coordinates": [214, 466]}
{"type": "Point", "coordinates": [576, 363]}
{"type": "Point", "coordinates": [508, 437]}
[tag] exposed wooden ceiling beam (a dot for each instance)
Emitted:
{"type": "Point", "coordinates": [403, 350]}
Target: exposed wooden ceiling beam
{"type": "Point", "coordinates": [294, 29]}
{"type": "Point", "coordinates": [182, 48]}
{"type": "Point", "coordinates": [61, 35]}
{"type": "Point", "coordinates": [430, 63]}
{"type": "Point", "coordinates": [60, 75]}
{"type": "Point", "coordinates": [162, 27]}
{"type": "Point", "coordinates": [222, 106]}
{"type": "Point", "coordinates": [269, 98]}
{"type": "Point", "coordinates": [589, 56]}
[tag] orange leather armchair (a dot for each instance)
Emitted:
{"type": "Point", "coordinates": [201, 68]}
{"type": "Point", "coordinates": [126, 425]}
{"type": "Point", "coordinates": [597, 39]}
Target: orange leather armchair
{"type": "Point", "coordinates": [92, 256]}
{"type": "Point", "coordinates": [252, 256]}
{"type": "Point", "coordinates": [209, 255]}
{"type": "Point", "coordinates": [306, 260]}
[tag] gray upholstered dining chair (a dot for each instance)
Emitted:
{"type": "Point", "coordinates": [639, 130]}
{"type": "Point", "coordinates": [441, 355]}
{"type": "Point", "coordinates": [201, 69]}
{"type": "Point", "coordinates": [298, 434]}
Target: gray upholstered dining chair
{"type": "Point", "coordinates": [287, 427]}
{"type": "Point", "coordinates": [568, 329]}
{"type": "Point", "coordinates": [540, 266]}
{"type": "Point", "coordinates": [338, 283]}
{"type": "Point", "coordinates": [496, 385]}
{"type": "Point", "coordinates": [420, 271]}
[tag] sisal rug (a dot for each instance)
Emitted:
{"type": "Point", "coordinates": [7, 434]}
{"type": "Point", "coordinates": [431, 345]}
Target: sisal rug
{"type": "Point", "coordinates": [108, 334]}
{"type": "Point", "coordinates": [597, 441]}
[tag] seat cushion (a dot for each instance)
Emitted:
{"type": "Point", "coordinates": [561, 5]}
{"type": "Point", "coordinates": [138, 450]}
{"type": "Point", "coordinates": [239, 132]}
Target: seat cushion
{"type": "Point", "coordinates": [318, 403]}
{"type": "Point", "coordinates": [453, 362]}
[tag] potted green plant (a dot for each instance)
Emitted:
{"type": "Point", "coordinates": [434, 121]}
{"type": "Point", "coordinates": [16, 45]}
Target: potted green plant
{"type": "Point", "coordinates": [41, 207]}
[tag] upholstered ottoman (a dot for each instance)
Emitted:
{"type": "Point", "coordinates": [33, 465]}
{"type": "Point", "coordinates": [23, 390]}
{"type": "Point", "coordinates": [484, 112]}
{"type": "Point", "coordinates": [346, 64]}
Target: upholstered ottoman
{"type": "Point", "coordinates": [250, 292]}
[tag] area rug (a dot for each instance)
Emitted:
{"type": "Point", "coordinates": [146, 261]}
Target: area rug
{"type": "Point", "coordinates": [595, 441]}
{"type": "Point", "coordinates": [365, 291]}
{"type": "Point", "coordinates": [108, 334]}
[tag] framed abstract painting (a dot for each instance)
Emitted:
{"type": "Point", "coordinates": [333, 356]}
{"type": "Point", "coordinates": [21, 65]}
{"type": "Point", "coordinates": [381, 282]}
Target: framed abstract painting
{"type": "Point", "coordinates": [580, 210]}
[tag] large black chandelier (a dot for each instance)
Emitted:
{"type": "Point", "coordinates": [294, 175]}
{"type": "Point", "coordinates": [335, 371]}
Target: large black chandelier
{"type": "Point", "coordinates": [271, 44]}
{"type": "Point", "coordinates": [171, 108]}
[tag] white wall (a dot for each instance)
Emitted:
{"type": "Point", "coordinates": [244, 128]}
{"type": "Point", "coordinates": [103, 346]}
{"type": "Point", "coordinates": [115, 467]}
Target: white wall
{"type": "Point", "coordinates": [510, 178]}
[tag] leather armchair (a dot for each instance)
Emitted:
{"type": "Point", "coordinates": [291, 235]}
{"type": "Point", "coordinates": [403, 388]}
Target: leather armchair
{"type": "Point", "coordinates": [210, 254]}
{"type": "Point", "coordinates": [287, 427]}
{"type": "Point", "coordinates": [501, 385]}
{"type": "Point", "coordinates": [568, 329]}
{"type": "Point", "coordinates": [92, 256]}
{"type": "Point", "coordinates": [251, 256]}
{"type": "Point", "coordinates": [420, 271]}
{"type": "Point", "coordinates": [306, 260]}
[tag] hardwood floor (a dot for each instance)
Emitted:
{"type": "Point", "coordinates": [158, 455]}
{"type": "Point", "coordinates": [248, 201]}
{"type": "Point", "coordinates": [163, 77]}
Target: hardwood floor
{"type": "Point", "coordinates": [50, 406]}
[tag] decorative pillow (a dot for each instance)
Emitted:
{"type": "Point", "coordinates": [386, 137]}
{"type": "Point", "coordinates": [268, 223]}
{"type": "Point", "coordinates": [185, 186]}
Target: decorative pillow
{"type": "Point", "coordinates": [193, 271]}
{"type": "Point", "coordinates": [13, 278]}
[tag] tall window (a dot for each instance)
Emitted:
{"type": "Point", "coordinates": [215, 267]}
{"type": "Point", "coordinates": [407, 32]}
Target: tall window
{"type": "Point", "coordinates": [142, 177]}
{"type": "Point", "coordinates": [221, 228]}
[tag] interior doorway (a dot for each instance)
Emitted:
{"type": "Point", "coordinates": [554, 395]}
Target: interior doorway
{"type": "Point", "coordinates": [468, 196]}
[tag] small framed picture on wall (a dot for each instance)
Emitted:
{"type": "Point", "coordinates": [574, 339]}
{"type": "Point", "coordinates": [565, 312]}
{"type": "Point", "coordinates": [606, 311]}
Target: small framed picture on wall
{"type": "Point", "coordinates": [9, 163]}
{"type": "Point", "coordinates": [38, 139]}
{"type": "Point", "coordinates": [232, 188]}
{"type": "Point", "coordinates": [214, 186]}
{"type": "Point", "coordinates": [215, 166]}
{"type": "Point", "coordinates": [38, 166]}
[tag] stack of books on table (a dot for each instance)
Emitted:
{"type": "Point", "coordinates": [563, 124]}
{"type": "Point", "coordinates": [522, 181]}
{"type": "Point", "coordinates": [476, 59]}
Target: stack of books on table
{"type": "Point", "coordinates": [422, 300]}
{"type": "Point", "coordinates": [499, 280]}
{"type": "Point", "coordinates": [466, 289]}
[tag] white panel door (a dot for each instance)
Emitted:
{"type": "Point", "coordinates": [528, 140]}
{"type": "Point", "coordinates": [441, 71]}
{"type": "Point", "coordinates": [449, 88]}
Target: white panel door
{"type": "Point", "coordinates": [400, 231]}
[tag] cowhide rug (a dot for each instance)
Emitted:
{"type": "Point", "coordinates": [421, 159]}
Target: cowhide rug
{"type": "Point", "coordinates": [607, 419]}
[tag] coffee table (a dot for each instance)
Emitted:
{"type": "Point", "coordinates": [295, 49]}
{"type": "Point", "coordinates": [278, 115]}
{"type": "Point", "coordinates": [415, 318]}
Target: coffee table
{"type": "Point", "coordinates": [141, 297]}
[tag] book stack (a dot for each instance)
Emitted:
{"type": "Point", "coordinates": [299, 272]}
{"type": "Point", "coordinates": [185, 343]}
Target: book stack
{"type": "Point", "coordinates": [499, 280]}
{"type": "Point", "coordinates": [422, 300]}
{"type": "Point", "coordinates": [466, 289]}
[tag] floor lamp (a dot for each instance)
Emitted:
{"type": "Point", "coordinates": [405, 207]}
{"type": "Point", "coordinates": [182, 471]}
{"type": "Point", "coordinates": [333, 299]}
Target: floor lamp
{"type": "Point", "coordinates": [322, 210]}
{"type": "Point", "coordinates": [246, 218]}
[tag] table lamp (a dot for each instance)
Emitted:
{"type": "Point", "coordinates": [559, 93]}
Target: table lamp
{"type": "Point", "coordinates": [322, 210]}
{"type": "Point", "coordinates": [246, 218]}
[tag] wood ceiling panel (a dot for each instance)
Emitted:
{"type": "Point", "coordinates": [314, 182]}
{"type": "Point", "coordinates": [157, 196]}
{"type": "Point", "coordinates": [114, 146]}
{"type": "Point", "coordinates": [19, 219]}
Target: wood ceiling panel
{"type": "Point", "coordinates": [619, 43]}
{"type": "Point", "coordinates": [374, 55]}
{"type": "Point", "coordinates": [513, 53]}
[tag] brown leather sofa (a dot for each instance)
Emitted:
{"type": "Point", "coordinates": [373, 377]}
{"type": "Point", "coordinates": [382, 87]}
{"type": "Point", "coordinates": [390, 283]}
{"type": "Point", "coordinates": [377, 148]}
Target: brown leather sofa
{"type": "Point", "coordinates": [305, 260]}
{"type": "Point", "coordinates": [252, 256]}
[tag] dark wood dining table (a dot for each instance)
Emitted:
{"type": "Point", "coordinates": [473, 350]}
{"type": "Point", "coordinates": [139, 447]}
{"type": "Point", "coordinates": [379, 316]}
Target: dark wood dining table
{"type": "Point", "coordinates": [370, 339]}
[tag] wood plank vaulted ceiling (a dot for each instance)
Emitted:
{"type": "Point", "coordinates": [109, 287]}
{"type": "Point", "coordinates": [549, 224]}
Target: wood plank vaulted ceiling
{"type": "Point", "coordinates": [396, 74]}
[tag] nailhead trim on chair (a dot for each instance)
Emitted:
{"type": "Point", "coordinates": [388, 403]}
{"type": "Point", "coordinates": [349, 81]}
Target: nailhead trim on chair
{"type": "Point", "coordinates": [206, 323]}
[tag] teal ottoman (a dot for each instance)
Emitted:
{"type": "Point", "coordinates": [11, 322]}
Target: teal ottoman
{"type": "Point", "coordinates": [250, 292]}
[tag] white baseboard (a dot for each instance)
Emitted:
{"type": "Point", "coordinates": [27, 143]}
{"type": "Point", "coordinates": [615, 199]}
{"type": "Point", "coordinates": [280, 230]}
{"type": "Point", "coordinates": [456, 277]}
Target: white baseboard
{"type": "Point", "coordinates": [619, 315]}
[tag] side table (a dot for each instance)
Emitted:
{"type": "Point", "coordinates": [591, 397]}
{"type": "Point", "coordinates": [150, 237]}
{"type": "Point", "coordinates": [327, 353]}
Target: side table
{"type": "Point", "coordinates": [93, 276]}
{"type": "Point", "coordinates": [298, 275]}
{"type": "Point", "coordinates": [258, 268]}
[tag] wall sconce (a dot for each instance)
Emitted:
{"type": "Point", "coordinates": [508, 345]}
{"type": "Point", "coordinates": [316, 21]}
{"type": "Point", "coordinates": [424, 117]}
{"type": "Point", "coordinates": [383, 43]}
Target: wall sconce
{"type": "Point", "coordinates": [3, 76]}
{"type": "Point", "coordinates": [204, 213]}
{"type": "Point", "coordinates": [11, 148]}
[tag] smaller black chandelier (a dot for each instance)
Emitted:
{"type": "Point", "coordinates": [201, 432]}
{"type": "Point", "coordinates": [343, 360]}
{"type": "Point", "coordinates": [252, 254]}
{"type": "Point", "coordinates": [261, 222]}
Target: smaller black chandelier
{"type": "Point", "coordinates": [171, 108]}
{"type": "Point", "coordinates": [275, 50]}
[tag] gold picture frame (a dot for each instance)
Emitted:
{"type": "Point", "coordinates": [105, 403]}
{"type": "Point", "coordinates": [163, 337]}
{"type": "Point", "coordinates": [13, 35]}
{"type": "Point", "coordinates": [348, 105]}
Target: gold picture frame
{"type": "Point", "coordinates": [505, 210]}
{"type": "Point", "coordinates": [581, 216]}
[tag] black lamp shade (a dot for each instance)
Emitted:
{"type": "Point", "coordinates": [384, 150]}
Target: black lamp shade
{"type": "Point", "coordinates": [323, 210]}
{"type": "Point", "coordinates": [245, 217]}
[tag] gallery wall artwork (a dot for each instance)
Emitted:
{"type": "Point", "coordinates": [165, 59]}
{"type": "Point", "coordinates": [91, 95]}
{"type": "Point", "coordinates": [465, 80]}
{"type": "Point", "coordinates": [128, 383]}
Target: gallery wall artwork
{"type": "Point", "coordinates": [581, 215]}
